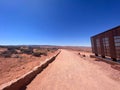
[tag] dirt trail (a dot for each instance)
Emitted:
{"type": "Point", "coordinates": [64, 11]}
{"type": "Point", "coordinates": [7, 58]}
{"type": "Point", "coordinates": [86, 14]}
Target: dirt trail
{"type": "Point", "coordinates": [70, 72]}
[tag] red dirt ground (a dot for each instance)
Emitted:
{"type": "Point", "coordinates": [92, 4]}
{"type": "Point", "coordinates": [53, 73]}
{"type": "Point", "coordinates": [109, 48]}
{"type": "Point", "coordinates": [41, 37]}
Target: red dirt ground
{"type": "Point", "coordinates": [70, 71]}
{"type": "Point", "coordinates": [12, 68]}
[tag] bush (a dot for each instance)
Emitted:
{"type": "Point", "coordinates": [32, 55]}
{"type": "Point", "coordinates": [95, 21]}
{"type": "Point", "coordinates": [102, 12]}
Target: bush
{"type": "Point", "coordinates": [6, 54]}
{"type": "Point", "coordinates": [18, 52]}
{"type": "Point", "coordinates": [13, 51]}
{"type": "Point", "coordinates": [27, 50]}
{"type": "Point", "coordinates": [37, 54]}
{"type": "Point", "coordinates": [83, 55]}
{"type": "Point", "coordinates": [44, 53]}
{"type": "Point", "coordinates": [92, 56]}
{"type": "Point", "coordinates": [14, 56]}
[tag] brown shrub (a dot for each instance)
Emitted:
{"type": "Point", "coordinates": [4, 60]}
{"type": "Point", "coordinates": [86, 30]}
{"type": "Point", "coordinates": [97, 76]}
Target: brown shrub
{"type": "Point", "coordinates": [6, 54]}
{"type": "Point", "coordinates": [15, 56]}
{"type": "Point", "coordinates": [39, 52]}
{"type": "Point", "coordinates": [26, 50]}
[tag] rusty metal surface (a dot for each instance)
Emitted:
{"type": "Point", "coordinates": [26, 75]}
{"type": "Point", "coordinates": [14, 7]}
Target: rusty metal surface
{"type": "Point", "coordinates": [107, 43]}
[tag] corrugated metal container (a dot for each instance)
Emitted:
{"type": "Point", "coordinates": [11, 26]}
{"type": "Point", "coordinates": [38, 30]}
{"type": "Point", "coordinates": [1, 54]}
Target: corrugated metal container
{"type": "Point", "coordinates": [107, 44]}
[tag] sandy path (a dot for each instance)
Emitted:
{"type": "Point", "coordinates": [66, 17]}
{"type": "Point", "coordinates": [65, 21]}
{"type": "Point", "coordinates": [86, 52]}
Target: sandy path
{"type": "Point", "coordinates": [70, 72]}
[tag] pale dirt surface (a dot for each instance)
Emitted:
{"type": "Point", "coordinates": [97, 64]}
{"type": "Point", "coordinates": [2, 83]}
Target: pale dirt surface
{"type": "Point", "coordinates": [13, 68]}
{"type": "Point", "coordinates": [71, 72]}
{"type": "Point", "coordinates": [104, 66]}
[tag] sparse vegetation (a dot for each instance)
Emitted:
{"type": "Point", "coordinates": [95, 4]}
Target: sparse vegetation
{"type": "Point", "coordinates": [16, 51]}
{"type": "Point", "coordinates": [39, 52]}
{"type": "Point", "coordinates": [26, 50]}
{"type": "Point", "coordinates": [92, 56]}
{"type": "Point", "coordinates": [79, 54]}
{"type": "Point", "coordinates": [15, 56]}
{"type": "Point", "coordinates": [6, 54]}
{"type": "Point", "coordinates": [10, 52]}
{"type": "Point", "coordinates": [13, 59]}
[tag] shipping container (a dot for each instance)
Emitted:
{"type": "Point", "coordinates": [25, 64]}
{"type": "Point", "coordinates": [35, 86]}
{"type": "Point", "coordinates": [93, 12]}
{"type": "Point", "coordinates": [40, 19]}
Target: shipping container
{"type": "Point", "coordinates": [107, 44]}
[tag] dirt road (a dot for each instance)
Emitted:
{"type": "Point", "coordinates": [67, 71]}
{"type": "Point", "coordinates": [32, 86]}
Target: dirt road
{"type": "Point", "coordinates": [70, 72]}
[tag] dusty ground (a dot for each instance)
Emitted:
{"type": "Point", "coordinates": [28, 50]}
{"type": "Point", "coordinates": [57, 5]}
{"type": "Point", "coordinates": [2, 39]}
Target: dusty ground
{"type": "Point", "coordinates": [71, 72]}
{"type": "Point", "coordinates": [12, 68]}
{"type": "Point", "coordinates": [107, 67]}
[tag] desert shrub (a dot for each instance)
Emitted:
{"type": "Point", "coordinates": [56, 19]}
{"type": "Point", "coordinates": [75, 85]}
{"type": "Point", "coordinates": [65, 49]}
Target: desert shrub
{"type": "Point", "coordinates": [83, 55]}
{"type": "Point", "coordinates": [53, 50]}
{"type": "Point", "coordinates": [92, 56]}
{"type": "Point", "coordinates": [27, 50]}
{"type": "Point", "coordinates": [37, 54]}
{"type": "Point", "coordinates": [14, 56]}
{"type": "Point", "coordinates": [6, 54]}
{"type": "Point", "coordinates": [13, 47]}
{"type": "Point", "coordinates": [13, 51]}
{"type": "Point", "coordinates": [10, 48]}
{"type": "Point", "coordinates": [44, 53]}
{"type": "Point", "coordinates": [48, 50]}
{"type": "Point", "coordinates": [18, 52]}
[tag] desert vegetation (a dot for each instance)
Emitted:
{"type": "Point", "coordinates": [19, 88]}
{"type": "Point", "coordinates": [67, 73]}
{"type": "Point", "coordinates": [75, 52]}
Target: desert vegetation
{"type": "Point", "coordinates": [17, 60]}
{"type": "Point", "coordinates": [16, 52]}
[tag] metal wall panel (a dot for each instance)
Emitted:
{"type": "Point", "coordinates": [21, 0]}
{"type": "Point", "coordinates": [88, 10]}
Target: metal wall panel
{"type": "Point", "coordinates": [107, 43]}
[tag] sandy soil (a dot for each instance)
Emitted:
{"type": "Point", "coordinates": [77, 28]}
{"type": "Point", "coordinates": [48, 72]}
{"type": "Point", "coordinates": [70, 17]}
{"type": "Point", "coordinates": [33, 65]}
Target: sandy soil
{"type": "Point", "coordinates": [110, 68]}
{"type": "Point", "coordinates": [12, 68]}
{"type": "Point", "coordinates": [71, 72]}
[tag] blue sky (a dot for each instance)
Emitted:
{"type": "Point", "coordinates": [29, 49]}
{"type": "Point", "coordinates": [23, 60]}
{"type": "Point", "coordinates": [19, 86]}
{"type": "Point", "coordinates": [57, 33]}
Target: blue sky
{"type": "Point", "coordinates": [56, 22]}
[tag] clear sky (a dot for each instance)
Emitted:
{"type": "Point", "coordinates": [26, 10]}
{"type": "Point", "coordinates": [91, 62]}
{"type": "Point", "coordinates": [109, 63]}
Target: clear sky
{"type": "Point", "coordinates": [56, 22]}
